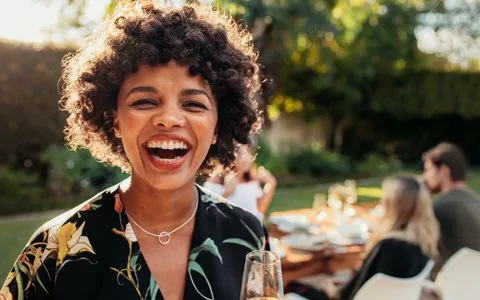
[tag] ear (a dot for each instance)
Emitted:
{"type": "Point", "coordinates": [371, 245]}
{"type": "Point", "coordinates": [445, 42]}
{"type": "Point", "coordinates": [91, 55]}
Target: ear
{"type": "Point", "coordinates": [116, 125]}
{"type": "Point", "coordinates": [215, 135]}
{"type": "Point", "coordinates": [445, 172]}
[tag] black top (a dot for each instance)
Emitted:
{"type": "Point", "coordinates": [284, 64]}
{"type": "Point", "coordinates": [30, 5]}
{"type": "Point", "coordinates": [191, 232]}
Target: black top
{"type": "Point", "coordinates": [91, 252]}
{"type": "Point", "coordinates": [390, 256]}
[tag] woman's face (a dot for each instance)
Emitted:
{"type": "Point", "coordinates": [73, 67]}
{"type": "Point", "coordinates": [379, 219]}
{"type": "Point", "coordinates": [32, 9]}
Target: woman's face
{"type": "Point", "coordinates": [244, 161]}
{"type": "Point", "coordinates": [166, 120]}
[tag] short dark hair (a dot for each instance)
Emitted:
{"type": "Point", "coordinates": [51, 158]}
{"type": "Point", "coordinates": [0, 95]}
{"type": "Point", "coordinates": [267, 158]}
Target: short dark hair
{"type": "Point", "coordinates": [208, 43]}
{"type": "Point", "coordinates": [451, 156]}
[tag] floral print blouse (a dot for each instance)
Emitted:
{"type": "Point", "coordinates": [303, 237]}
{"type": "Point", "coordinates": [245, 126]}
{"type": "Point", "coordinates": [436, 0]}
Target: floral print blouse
{"type": "Point", "coordinates": [91, 252]}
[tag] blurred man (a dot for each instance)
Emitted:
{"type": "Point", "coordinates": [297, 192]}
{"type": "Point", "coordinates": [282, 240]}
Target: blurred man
{"type": "Point", "coordinates": [457, 208]}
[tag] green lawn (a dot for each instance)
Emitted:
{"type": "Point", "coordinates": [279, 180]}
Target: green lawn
{"type": "Point", "coordinates": [14, 235]}
{"type": "Point", "coordinates": [302, 197]}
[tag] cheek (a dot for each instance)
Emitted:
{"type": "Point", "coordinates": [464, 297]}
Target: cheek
{"type": "Point", "coordinates": [205, 130]}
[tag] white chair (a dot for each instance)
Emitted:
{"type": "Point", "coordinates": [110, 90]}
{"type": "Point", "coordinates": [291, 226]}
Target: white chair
{"type": "Point", "coordinates": [382, 287]}
{"type": "Point", "coordinates": [459, 278]}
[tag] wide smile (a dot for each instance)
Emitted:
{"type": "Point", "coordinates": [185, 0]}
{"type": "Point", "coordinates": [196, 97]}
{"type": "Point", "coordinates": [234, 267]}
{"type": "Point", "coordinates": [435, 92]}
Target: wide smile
{"type": "Point", "coordinates": [168, 152]}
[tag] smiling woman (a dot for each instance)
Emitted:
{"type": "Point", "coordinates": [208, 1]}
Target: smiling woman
{"type": "Point", "coordinates": [163, 93]}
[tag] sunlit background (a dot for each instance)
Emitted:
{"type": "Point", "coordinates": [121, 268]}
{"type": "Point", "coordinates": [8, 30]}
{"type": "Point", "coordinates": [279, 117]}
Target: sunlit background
{"type": "Point", "coordinates": [35, 21]}
{"type": "Point", "coordinates": [42, 21]}
{"type": "Point", "coordinates": [353, 89]}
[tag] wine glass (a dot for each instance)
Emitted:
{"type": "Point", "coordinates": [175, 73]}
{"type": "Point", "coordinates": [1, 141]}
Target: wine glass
{"type": "Point", "coordinates": [319, 201]}
{"type": "Point", "coordinates": [262, 277]}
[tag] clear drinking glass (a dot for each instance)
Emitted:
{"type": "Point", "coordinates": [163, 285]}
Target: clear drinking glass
{"type": "Point", "coordinates": [262, 277]}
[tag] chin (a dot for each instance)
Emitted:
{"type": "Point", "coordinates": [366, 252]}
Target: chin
{"type": "Point", "coordinates": [170, 182]}
{"type": "Point", "coordinates": [433, 189]}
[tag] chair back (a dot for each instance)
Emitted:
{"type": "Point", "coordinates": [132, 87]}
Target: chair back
{"type": "Point", "coordinates": [382, 286]}
{"type": "Point", "coordinates": [459, 277]}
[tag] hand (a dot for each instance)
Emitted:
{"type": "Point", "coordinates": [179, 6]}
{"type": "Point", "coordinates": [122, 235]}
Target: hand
{"type": "Point", "coordinates": [329, 287]}
{"type": "Point", "coordinates": [230, 183]}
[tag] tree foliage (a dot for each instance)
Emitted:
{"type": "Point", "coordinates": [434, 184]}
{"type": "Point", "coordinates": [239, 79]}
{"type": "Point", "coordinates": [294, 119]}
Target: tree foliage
{"type": "Point", "coordinates": [329, 58]}
{"type": "Point", "coordinates": [29, 118]}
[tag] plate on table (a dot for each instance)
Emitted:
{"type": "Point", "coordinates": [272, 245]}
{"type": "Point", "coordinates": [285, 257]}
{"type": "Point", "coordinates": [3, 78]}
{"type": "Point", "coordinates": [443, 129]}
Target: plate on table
{"type": "Point", "coordinates": [277, 247]}
{"type": "Point", "coordinates": [306, 242]}
{"type": "Point", "coordinates": [290, 223]}
{"type": "Point", "coordinates": [337, 238]}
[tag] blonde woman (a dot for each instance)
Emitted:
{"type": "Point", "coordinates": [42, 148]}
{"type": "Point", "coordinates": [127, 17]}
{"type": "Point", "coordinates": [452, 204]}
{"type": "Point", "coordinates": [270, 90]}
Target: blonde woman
{"type": "Point", "coordinates": [406, 239]}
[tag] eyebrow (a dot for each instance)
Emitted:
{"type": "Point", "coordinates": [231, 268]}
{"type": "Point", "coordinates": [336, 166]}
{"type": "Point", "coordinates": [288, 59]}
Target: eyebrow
{"type": "Point", "coordinates": [142, 89]}
{"type": "Point", "coordinates": [190, 92]}
{"type": "Point", "coordinates": [150, 89]}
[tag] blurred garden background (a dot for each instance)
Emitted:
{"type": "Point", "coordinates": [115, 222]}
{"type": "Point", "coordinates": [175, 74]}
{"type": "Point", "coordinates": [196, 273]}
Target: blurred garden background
{"type": "Point", "coordinates": [353, 89]}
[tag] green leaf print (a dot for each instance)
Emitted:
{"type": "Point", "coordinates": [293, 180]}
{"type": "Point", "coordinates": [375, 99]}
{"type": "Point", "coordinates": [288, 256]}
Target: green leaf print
{"type": "Point", "coordinates": [194, 266]}
{"type": "Point", "coordinates": [241, 243]}
{"type": "Point", "coordinates": [133, 261]}
{"type": "Point", "coordinates": [209, 246]}
{"type": "Point", "coordinates": [152, 289]}
{"type": "Point", "coordinates": [255, 237]}
{"type": "Point", "coordinates": [18, 279]}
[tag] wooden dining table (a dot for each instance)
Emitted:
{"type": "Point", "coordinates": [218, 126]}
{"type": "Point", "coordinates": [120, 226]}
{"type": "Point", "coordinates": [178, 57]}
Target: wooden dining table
{"type": "Point", "coordinates": [300, 263]}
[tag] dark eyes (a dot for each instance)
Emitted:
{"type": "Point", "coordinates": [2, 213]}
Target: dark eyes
{"type": "Point", "coordinates": [144, 103]}
{"type": "Point", "coordinates": [195, 105]}
{"type": "Point", "coordinates": [150, 103]}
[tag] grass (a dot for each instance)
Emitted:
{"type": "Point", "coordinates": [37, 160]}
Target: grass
{"type": "Point", "coordinates": [14, 235]}
{"type": "Point", "coordinates": [302, 197]}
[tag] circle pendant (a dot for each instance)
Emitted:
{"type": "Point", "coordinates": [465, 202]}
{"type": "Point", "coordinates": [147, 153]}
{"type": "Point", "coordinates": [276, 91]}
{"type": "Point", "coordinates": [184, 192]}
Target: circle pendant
{"type": "Point", "coordinates": [164, 238]}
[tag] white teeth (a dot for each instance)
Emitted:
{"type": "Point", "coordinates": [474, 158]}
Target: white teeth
{"type": "Point", "coordinates": [167, 145]}
{"type": "Point", "coordinates": [166, 160]}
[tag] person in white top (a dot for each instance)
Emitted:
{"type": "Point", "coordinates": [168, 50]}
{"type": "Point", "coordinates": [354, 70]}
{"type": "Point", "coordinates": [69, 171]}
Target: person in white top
{"type": "Point", "coordinates": [248, 187]}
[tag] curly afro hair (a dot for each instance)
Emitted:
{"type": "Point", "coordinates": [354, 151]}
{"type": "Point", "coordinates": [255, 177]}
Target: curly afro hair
{"type": "Point", "coordinates": [210, 44]}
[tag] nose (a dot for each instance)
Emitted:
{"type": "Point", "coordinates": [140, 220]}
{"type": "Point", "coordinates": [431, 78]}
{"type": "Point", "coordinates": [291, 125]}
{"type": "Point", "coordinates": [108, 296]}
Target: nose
{"type": "Point", "coordinates": [169, 115]}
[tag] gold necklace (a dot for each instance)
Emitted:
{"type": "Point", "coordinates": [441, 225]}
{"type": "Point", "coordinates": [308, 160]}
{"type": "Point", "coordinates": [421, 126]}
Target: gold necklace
{"type": "Point", "coordinates": [164, 236]}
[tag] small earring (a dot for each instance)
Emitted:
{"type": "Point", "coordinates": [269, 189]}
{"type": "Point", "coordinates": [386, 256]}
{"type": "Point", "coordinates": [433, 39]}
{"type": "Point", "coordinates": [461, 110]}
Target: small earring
{"type": "Point", "coordinates": [214, 140]}
{"type": "Point", "coordinates": [117, 134]}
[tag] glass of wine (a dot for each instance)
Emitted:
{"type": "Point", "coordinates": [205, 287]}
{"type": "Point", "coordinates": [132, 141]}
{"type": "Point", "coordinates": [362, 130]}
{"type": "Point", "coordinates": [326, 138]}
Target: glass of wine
{"type": "Point", "coordinates": [262, 277]}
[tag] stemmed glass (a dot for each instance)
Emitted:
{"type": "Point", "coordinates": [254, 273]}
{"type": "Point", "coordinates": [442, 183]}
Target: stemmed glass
{"type": "Point", "coordinates": [262, 277]}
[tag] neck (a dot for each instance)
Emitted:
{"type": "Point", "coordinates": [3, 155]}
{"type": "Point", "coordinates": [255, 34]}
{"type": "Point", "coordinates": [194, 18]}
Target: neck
{"type": "Point", "coordinates": [453, 185]}
{"type": "Point", "coordinates": [158, 210]}
{"type": "Point", "coordinates": [240, 177]}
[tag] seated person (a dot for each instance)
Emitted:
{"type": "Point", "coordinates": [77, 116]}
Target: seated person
{"type": "Point", "coordinates": [244, 186]}
{"type": "Point", "coordinates": [402, 245]}
{"type": "Point", "coordinates": [457, 207]}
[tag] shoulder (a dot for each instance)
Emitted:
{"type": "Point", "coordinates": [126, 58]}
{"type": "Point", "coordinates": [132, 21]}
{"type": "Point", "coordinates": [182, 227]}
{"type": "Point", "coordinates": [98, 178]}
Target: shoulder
{"type": "Point", "coordinates": [77, 215]}
{"type": "Point", "coordinates": [445, 202]}
{"type": "Point", "coordinates": [393, 247]}
{"type": "Point", "coordinates": [456, 200]}
{"type": "Point", "coordinates": [54, 244]}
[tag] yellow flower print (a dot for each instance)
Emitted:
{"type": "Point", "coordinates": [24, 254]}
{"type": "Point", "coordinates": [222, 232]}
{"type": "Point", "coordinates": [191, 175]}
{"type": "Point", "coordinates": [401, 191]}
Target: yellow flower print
{"type": "Point", "coordinates": [5, 293]}
{"type": "Point", "coordinates": [37, 262]}
{"type": "Point", "coordinates": [71, 242]}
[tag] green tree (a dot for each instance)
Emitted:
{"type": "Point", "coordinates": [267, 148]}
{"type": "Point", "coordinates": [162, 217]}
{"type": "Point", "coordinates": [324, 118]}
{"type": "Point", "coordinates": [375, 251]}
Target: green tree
{"type": "Point", "coordinates": [323, 56]}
